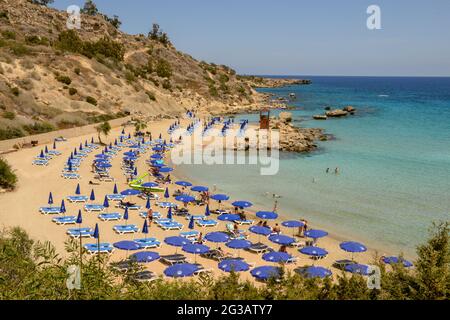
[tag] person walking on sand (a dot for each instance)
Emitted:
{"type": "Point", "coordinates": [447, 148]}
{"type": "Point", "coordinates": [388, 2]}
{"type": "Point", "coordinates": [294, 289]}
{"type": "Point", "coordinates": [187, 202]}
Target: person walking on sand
{"type": "Point", "coordinates": [336, 171]}
{"type": "Point", "coordinates": [150, 216]}
{"type": "Point", "coordinates": [275, 206]}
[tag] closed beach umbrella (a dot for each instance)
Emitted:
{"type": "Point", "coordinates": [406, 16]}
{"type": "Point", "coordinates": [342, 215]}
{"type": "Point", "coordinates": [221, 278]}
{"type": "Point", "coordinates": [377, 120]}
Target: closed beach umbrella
{"type": "Point", "coordinates": [96, 234]}
{"type": "Point", "coordinates": [70, 167]}
{"type": "Point", "coordinates": [314, 251]}
{"type": "Point", "coordinates": [217, 237]}
{"type": "Point", "coordinates": [266, 272]}
{"type": "Point", "coordinates": [125, 214]}
{"type": "Point", "coordinates": [79, 217]}
{"type": "Point", "coordinates": [41, 155]}
{"type": "Point", "coordinates": [191, 223]}
{"type": "Point", "coordinates": [278, 257]}
{"type": "Point", "coordinates": [396, 260]}
{"type": "Point", "coordinates": [357, 268]}
{"type": "Point", "coordinates": [46, 149]}
{"type": "Point", "coordinates": [234, 265]}
{"type": "Point", "coordinates": [169, 213]}
{"type": "Point", "coordinates": [183, 183]}
{"type": "Point", "coordinates": [242, 204]}
{"type": "Point", "coordinates": [145, 228]}
{"type": "Point", "coordinates": [148, 205]}
{"type": "Point", "coordinates": [106, 202]}
{"type": "Point", "coordinates": [92, 197]}
{"type": "Point", "coordinates": [181, 270]}
{"type": "Point", "coordinates": [54, 145]}
{"type": "Point", "coordinates": [50, 198]}
{"type": "Point", "coordinates": [207, 212]}
{"type": "Point", "coordinates": [199, 189]}
{"type": "Point", "coordinates": [103, 165]}
{"type": "Point", "coordinates": [281, 239]}
{"type": "Point", "coordinates": [78, 190]}
{"type": "Point", "coordinates": [130, 154]}
{"type": "Point", "coordinates": [314, 272]}
{"type": "Point", "coordinates": [115, 191]}
{"type": "Point", "coordinates": [63, 207]}
{"type": "Point", "coordinates": [166, 193]}
{"type": "Point", "coordinates": [267, 215]}
{"type": "Point", "coordinates": [135, 171]}
{"type": "Point", "coordinates": [145, 256]}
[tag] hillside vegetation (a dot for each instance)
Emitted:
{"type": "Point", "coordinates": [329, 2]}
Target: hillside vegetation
{"type": "Point", "coordinates": [52, 77]}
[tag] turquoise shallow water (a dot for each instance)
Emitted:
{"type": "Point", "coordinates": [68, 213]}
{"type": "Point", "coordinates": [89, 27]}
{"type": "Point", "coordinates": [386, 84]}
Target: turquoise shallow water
{"type": "Point", "coordinates": [394, 160]}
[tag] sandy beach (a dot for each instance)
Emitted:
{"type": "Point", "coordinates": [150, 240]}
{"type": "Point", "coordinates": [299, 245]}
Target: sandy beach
{"type": "Point", "coordinates": [20, 208]}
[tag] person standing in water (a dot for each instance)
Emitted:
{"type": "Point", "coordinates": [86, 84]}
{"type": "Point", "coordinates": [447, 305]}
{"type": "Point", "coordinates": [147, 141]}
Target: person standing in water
{"type": "Point", "coordinates": [336, 171]}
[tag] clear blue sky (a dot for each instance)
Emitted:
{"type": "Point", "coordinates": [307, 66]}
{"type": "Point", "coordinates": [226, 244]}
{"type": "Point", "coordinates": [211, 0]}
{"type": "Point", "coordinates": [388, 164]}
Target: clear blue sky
{"type": "Point", "coordinates": [298, 37]}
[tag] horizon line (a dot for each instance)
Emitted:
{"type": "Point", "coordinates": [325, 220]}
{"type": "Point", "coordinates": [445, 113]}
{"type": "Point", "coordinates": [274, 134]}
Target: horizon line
{"type": "Point", "coordinates": [349, 76]}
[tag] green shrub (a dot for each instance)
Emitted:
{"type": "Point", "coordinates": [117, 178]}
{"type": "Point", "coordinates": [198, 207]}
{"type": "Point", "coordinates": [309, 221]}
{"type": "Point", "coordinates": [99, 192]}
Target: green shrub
{"type": "Point", "coordinates": [8, 178]}
{"type": "Point", "coordinates": [129, 76]}
{"type": "Point", "coordinates": [11, 133]}
{"type": "Point", "coordinates": [163, 69]}
{"type": "Point", "coordinates": [91, 100]}
{"type": "Point", "coordinates": [69, 41]}
{"type": "Point", "coordinates": [77, 71]}
{"type": "Point", "coordinates": [150, 95]}
{"type": "Point", "coordinates": [38, 127]}
{"type": "Point", "coordinates": [8, 34]}
{"type": "Point", "coordinates": [9, 115]}
{"type": "Point", "coordinates": [167, 85]}
{"type": "Point", "coordinates": [15, 91]}
{"type": "Point", "coordinates": [64, 79]}
{"type": "Point", "coordinates": [4, 15]}
{"type": "Point", "coordinates": [72, 91]}
{"type": "Point", "coordinates": [18, 48]}
{"type": "Point", "coordinates": [213, 91]}
{"type": "Point", "coordinates": [36, 40]}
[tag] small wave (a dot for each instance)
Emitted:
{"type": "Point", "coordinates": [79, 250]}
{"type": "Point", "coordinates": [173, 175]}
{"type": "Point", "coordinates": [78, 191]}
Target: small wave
{"type": "Point", "coordinates": [383, 95]}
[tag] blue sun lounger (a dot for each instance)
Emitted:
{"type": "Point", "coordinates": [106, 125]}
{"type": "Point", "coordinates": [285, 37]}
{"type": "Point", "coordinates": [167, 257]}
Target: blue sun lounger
{"type": "Point", "coordinates": [148, 243]}
{"type": "Point", "coordinates": [162, 220]}
{"type": "Point", "coordinates": [94, 207]}
{"type": "Point", "coordinates": [245, 222]}
{"type": "Point", "coordinates": [77, 199]}
{"type": "Point", "coordinates": [135, 207]}
{"type": "Point", "coordinates": [54, 153]}
{"type": "Point", "coordinates": [171, 226]}
{"type": "Point", "coordinates": [110, 216]}
{"type": "Point", "coordinates": [199, 217]}
{"type": "Point", "coordinates": [92, 248]}
{"type": "Point", "coordinates": [50, 210]}
{"type": "Point", "coordinates": [166, 205]}
{"type": "Point", "coordinates": [123, 229]}
{"type": "Point", "coordinates": [206, 223]}
{"type": "Point", "coordinates": [76, 233]}
{"type": "Point", "coordinates": [65, 220]}
{"type": "Point", "coordinates": [190, 235]}
{"type": "Point", "coordinates": [115, 197]}
{"type": "Point", "coordinates": [40, 162]}
{"type": "Point", "coordinates": [156, 215]}
{"type": "Point", "coordinates": [70, 175]}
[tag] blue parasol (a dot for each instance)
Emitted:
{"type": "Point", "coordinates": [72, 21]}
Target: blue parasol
{"type": "Point", "coordinates": [229, 217]}
{"type": "Point", "coordinates": [351, 246]}
{"type": "Point", "coordinates": [314, 272]}
{"type": "Point", "coordinates": [130, 192]}
{"type": "Point", "coordinates": [199, 189]}
{"type": "Point", "coordinates": [314, 251]}
{"type": "Point", "coordinates": [242, 204]}
{"type": "Point", "coordinates": [176, 241]}
{"type": "Point", "coordinates": [96, 234]}
{"type": "Point", "coordinates": [315, 234]}
{"type": "Point", "coordinates": [191, 223]}
{"type": "Point", "coordinates": [292, 224]}
{"type": "Point", "coordinates": [281, 239]}
{"type": "Point", "coordinates": [181, 270]}
{"type": "Point", "coordinates": [239, 244]}
{"type": "Point", "coordinates": [357, 268]}
{"type": "Point", "coordinates": [78, 190]}
{"type": "Point", "coordinates": [127, 245]}
{"type": "Point", "coordinates": [92, 197]}
{"type": "Point", "coordinates": [267, 215]}
{"type": "Point", "coordinates": [165, 169]}
{"type": "Point", "coordinates": [169, 213]}
{"type": "Point", "coordinates": [148, 204]}
{"type": "Point", "coordinates": [220, 197]}
{"type": "Point", "coordinates": [275, 256]}
{"type": "Point", "coordinates": [185, 198]}
{"type": "Point", "coordinates": [217, 237]}
{"type": "Point", "coordinates": [63, 207]}
{"type": "Point", "coordinates": [145, 256]}
{"type": "Point", "coordinates": [234, 265]}
{"type": "Point", "coordinates": [266, 272]}
{"type": "Point", "coordinates": [166, 193]}
{"type": "Point", "coordinates": [207, 212]}
{"type": "Point", "coordinates": [183, 183]}
{"type": "Point", "coordinates": [149, 185]}
{"type": "Point", "coordinates": [115, 191]}
{"type": "Point", "coordinates": [50, 198]}
{"type": "Point", "coordinates": [260, 230]}
{"type": "Point", "coordinates": [79, 217]}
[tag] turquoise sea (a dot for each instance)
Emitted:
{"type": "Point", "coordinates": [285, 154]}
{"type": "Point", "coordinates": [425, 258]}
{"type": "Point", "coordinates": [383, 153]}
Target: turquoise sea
{"type": "Point", "coordinates": [393, 155]}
